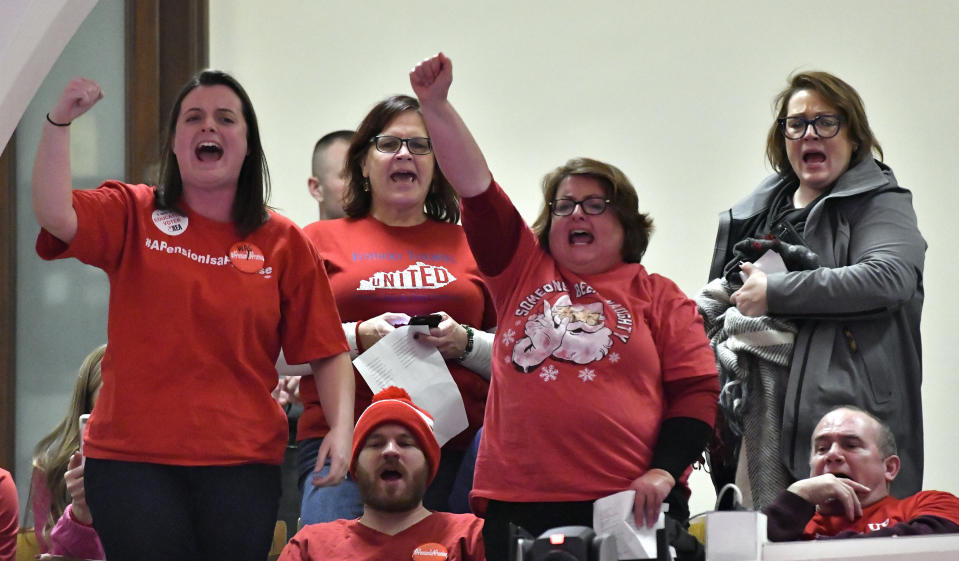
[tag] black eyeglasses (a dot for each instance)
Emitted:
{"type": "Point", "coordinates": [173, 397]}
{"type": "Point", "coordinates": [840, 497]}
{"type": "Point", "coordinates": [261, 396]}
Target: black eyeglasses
{"type": "Point", "coordinates": [825, 126]}
{"type": "Point", "coordinates": [392, 144]}
{"type": "Point", "coordinates": [591, 205]}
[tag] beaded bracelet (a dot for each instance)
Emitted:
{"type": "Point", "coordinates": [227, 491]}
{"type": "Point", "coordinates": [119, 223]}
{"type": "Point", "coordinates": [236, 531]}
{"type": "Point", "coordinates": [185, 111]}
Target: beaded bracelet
{"type": "Point", "coordinates": [469, 342]}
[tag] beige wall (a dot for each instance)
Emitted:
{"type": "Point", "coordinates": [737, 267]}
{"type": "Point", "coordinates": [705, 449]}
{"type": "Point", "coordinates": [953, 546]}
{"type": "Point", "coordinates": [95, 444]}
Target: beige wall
{"type": "Point", "coordinates": [675, 93]}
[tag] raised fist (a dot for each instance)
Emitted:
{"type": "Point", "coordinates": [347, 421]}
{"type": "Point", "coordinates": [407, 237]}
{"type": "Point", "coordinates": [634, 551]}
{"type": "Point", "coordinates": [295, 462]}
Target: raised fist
{"type": "Point", "coordinates": [77, 98]}
{"type": "Point", "coordinates": [431, 78]}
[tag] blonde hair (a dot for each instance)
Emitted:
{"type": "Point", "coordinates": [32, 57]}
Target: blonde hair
{"type": "Point", "coordinates": [52, 454]}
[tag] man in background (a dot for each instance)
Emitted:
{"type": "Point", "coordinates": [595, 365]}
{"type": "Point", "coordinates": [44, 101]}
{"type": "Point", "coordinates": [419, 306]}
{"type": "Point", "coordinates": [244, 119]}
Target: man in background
{"type": "Point", "coordinates": [852, 465]}
{"type": "Point", "coordinates": [327, 183]}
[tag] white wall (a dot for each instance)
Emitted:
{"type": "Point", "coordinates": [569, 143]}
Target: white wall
{"type": "Point", "coordinates": [32, 34]}
{"type": "Point", "coordinates": [61, 305]}
{"type": "Point", "coordinates": [675, 93]}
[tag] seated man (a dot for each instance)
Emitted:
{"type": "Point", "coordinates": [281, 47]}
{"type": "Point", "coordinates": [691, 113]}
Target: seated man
{"type": "Point", "coordinates": [852, 465]}
{"type": "Point", "coordinates": [395, 456]}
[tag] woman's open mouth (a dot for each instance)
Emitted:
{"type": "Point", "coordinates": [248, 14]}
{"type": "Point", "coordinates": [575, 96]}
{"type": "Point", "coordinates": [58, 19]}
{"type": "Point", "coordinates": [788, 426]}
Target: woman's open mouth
{"type": "Point", "coordinates": [209, 152]}
{"type": "Point", "coordinates": [403, 177]}
{"type": "Point", "coordinates": [580, 237]}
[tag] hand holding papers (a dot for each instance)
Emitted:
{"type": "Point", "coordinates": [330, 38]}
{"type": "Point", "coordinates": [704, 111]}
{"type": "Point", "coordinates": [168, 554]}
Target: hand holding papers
{"type": "Point", "coordinates": [614, 515]}
{"type": "Point", "coordinates": [400, 360]}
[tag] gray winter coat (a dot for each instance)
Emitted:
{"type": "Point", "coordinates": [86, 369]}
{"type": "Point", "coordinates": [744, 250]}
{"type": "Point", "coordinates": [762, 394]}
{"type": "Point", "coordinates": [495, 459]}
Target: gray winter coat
{"type": "Point", "coordinates": [858, 313]}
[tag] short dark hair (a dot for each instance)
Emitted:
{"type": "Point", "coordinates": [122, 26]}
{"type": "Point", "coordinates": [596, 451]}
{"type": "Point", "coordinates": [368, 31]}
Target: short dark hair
{"type": "Point", "coordinates": [249, 210]}
{"type": "Point", "coordinates": [325, 141]}
{"type": "Point", "coordinates": [442, 202]}
{"type": "Point", "coordinates": [885, 439]}
{"type": "Point", "coordinates": [835, 92]}
{"type": "Point", "coordinates": [637, 226]}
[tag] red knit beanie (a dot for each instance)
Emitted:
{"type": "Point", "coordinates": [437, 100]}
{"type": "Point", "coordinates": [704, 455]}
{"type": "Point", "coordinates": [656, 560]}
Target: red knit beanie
{"type": "Point", "coordinates": [393, 405]}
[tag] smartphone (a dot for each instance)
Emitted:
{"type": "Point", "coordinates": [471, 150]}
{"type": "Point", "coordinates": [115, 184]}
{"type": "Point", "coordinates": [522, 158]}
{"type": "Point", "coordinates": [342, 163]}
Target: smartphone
{"type": "Point", "coordinates": [83, 425]}
{"type": "Point", "coordinates": [432, 320]}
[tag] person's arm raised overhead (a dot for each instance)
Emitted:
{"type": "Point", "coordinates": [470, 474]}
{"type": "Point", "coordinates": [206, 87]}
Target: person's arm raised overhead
{"type": "Point", "coordinates": [52, 180]}
{"type": "Point", "coordinates": [456, 151]}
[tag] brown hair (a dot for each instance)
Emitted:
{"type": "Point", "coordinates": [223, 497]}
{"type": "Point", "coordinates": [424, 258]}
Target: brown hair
{"type": "Point", "coordinates": [253, 184]}
{"type": "Point", "coordinates": [637, 227]}
{"type": "Point", "coordinates": [838, 94]}
{"type": "Point", "coordinates": [442, 202]}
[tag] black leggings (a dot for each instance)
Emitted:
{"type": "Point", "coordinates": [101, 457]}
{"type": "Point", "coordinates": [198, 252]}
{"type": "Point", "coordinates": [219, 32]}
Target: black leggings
{"type": "Point", "coordinates": [160, 512]}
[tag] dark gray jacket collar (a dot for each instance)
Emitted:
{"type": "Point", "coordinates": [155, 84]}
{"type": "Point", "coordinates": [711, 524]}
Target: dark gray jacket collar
{"type": "Point", "coordinates": [867, 175]}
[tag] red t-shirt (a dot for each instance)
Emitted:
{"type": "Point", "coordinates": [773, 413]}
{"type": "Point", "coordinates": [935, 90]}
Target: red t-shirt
{"type": "Point", "coordinates": [192, 339]}
{"type": "Point", "coordinates": [416, 270]}
{"type": "Point", "coordinates": [579, 365]}
{"type": "Point", "coordinates": [10, 517]}
{"type": "Point", "coordinates": [440, 536]}
{"type": "Point", "coordinates": [887, 512]}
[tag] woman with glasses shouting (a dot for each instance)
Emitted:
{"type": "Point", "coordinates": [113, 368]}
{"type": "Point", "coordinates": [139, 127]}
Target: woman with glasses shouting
{"type": "Point", "coordinates": [849, 289]}
{"type": "Point", "coordinates": [398, 253]}
{"type": "Point", "coordinates": [603, 380]}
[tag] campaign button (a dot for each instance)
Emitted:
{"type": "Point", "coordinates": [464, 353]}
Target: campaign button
{"type": "Point", "coordinates": [170, 222]}
{"type": "Point", "coordinates": [430, 552]}
{"type": "Point", "coordinates": [246, 257]}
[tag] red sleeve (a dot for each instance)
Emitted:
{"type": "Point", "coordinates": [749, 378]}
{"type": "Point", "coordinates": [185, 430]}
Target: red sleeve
{"type": "Point", "coordinates": [697, 398]}
{"type": "Point", "coordinates": [937, 503]}
{"type": "Point", "coordinates": [493, 227]}
{"type": "Point", "coordinates": [473, 547]}
{"type": "Point", "coordinates": [101, 213]}
{"type": "Point", "coordinates": [9, 517]}
{"type": "Point", "coordinates": [310, 328]}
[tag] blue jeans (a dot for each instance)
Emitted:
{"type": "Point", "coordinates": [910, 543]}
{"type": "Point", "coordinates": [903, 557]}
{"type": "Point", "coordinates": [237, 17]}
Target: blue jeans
{"type": "Point", "coordinates": [324, 504]}
{"type": "Point", "coordinates": [463, 483]}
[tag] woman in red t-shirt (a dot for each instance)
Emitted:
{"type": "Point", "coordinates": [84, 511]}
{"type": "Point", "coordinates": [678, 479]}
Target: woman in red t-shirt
{"type": "Point", "coordinates": [396, 254]}
{"type": "Point", "coordinates": [207, 285]}
{"type": "Point", "coordinates": [603, 379]}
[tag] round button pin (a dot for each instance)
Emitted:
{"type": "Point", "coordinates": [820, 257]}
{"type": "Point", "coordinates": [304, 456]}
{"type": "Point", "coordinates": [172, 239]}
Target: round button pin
{"type": "Point", "coordinates": [247, 257]}
{"type": "Point", "coordinates": [170, 222]}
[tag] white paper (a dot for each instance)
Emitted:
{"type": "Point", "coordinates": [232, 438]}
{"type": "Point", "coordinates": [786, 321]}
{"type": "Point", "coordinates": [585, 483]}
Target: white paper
{"type": "Point", "coordinates": [400, 360]}
{"type": "Point", "coordinates": [769, 262]}
{"type": "Point", "coordinates": [614, 515]}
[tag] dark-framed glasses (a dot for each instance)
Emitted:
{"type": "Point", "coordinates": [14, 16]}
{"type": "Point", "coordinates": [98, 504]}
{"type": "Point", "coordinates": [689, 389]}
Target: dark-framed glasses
{"type": "Point", "coordinates": [825, 126]}
{"type": "Point", "coordinates": [591, 205]}
{"type": "Point", "coordinates": [392, 144]}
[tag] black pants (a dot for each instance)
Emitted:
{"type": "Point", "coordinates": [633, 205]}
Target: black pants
{"type": "Point", "coordinates": [158, 512]}
{"type": "Point", "coordinates": [535, 518]}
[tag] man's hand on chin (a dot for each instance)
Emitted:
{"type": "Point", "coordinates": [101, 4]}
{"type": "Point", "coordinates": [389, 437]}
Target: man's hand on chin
{"type": "Point", "coordinates": [832, 495]}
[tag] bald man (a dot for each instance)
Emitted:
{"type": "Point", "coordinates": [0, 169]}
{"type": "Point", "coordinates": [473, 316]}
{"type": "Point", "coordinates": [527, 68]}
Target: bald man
{"type": "Point", "coordinates": [852, 465]}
